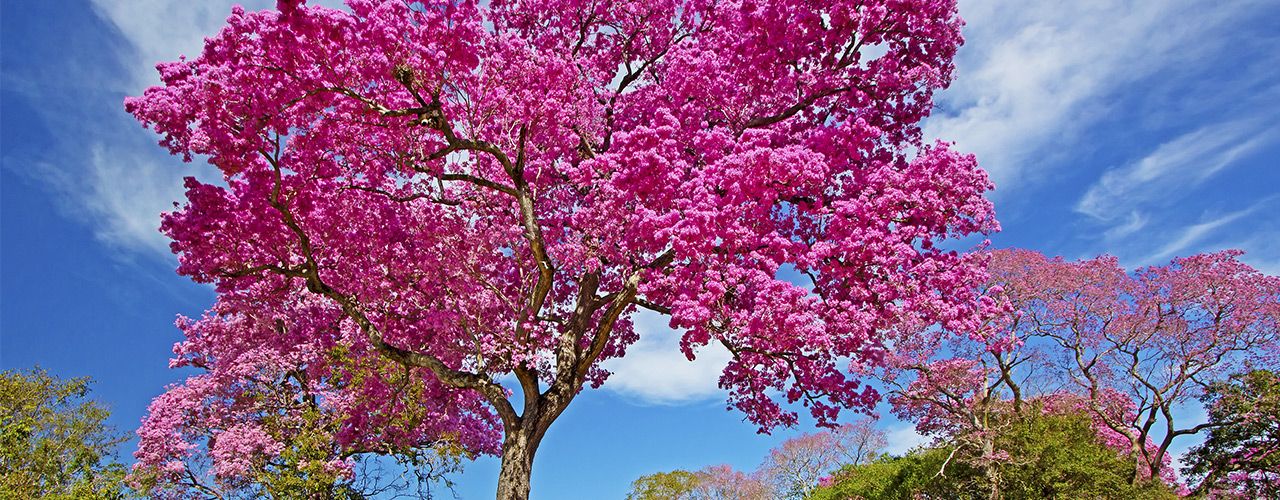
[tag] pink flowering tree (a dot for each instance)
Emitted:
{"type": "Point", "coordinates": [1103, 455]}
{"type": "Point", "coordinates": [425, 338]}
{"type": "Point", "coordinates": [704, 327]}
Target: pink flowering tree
{"type": "Point", "coordinates": [1130, 350]}
{"type": "Point", "coordinates": [1136, 347]}
{"type": "Point", "coordinates": [969, 402]}
{"type": "Point", "coordinates": [722, 482]}
{"type": "Point", "coordinates": [964, 404]}
{"type": "Point", "coordinates": [964, 389]}
{"type": "Point", "coordinates": [432, 196]}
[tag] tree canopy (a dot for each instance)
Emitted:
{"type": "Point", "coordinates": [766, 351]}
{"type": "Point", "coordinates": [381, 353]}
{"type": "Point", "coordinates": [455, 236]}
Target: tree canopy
{"type": "Point", "coordinates": [1128, 349]}
{"type": "Point", "coordinates": [54, 440]}
{"type": "Point", "coordinates": [1240, 457]}
{"type": "Point", "coordinates": [449, 192]}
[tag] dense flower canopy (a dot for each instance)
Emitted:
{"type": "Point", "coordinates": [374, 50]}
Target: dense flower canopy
{"type": "Point", "coordinates": [479, 190]}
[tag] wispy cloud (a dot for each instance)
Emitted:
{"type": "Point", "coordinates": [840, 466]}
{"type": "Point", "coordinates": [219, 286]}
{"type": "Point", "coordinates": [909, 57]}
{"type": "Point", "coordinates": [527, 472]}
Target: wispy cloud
{"type": "Point", "coordinates": [113, 177]}
{"type": "Point", "coordinates": [1261, 250]}
{"type": "Point", "coordinates": [1187, 237]}
{"type": "Point", "coordinates": [1172, 169]}
{"type": "Point", "coordinates": [161, 30]}
{"type": "Point", "coordinates": [1132, 223]}
{"type": "Point", "coordinates": [118, 181]}
{"type": "Point", "coordinates": [1035, 75]}
{"type": "Point", "coordinates": [654, 371]}
{"type": "Point", "coordinates": [1254, 229]}
{"type": "Point", "coordinates": [126, 193]}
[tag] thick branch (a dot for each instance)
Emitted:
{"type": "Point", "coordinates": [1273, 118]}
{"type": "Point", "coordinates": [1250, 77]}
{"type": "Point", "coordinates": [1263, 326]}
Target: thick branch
{"type": "Point", "coordinates": [765, 121]}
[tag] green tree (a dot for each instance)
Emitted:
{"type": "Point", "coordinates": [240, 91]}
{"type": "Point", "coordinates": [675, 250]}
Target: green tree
{"type": "Point", "coordinates": [54, 442]}
{"type": "Point", "coordinates": [674, 485]}
{"type": "Point", "coordinates": [715, 482]}
{"type": "Point", "coordinates": [1048, 456]}
{"type": "Point", "coordinates": [1241, 455]}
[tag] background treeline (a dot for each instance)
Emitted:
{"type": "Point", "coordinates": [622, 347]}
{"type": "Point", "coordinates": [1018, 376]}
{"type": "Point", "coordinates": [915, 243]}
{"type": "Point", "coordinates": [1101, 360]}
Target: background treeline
{"type": "Point", "coordinates": [1077, 385]}
{"type": "Point", "coordinates": [1047, 453]}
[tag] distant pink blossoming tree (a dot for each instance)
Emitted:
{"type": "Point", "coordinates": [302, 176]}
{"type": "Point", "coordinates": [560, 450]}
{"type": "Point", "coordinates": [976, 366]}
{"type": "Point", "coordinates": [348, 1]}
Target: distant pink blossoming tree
{"type": "Point", "coordinates": [1157, 337]}
{"type": "Point", "coordinates": [723, 482]}
{"type": "Point", "coordinates": [797, 467]}
{"type": "Point", "coordinates": [475, 191]}
{"type": "Point", "coordinates": [1129, 349]}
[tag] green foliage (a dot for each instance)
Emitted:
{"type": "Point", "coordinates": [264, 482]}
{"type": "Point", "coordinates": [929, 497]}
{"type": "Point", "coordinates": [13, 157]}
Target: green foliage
{"type": "Point", "coordinates": [910, 476]}
{"type": "Point", "coordinates": [1241, 454]}
{"type": "Point", "coordinates": [1050, 456]}
{"type": "Point", "coordinates": [677, 484]}
{"type": "Point", "coordinates": [1059, 456]}
{"type": "Point", "coordinates": [54, 442]}
{"type": "Point", "coordinates": [300, 471]}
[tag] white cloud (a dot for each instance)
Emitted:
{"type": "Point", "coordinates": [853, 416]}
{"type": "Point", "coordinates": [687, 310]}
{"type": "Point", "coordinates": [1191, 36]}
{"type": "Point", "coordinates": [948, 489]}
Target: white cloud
{"type": "Point", "coordinates": [1194, 233]}
{"type": "Point", "coordinates": [903, 437]}
{"type": "Point", "coordinates": [122, 181]}
{"type": "Point", "coordinates": [654, 371]}
{"type": "Point", "coordinates": [116, 179]}
{"type": "Point", "coordinates": [1172, 169]}
{"type": "Point", "coordinates": [162, 30]}
{"type": "Point", "coordinates": [1132, 223]}
{"type": "Point", "coordinates": [1258, 241]}
{"type": "Point", "coordinates": [1261, 253]}
{"type": "Point", "coordinates": [1035, 74]}
{"type": "Point", "coordinates": [126, 193]}
{"type": "Point", "coordinates": [119, 194]}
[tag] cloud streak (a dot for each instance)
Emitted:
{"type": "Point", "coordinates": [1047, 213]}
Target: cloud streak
{"type": "Point", "coordinates": [1172, 169]}
{"type": "Point", "coordinates": [113, 177]}
{"type": "Point", "coordinates": [1034, 76]}
{"type": "Point", "coordinates": [161, 30]}
{"type": "Point", "coordinates": [1194, 233]}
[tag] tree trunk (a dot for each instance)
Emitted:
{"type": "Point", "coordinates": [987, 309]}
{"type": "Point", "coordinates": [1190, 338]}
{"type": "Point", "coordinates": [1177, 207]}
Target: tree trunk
{"type": "Point", "coordinates": [520, 442]}
{"type": "Point", "coordinates": [518, 449]}
{"type": "Point", "coordinates": [991, 470]}
{"type": "Point", "coordinates": [1135, 452]}
{"type": "Point", "coordinates": [993, 481]}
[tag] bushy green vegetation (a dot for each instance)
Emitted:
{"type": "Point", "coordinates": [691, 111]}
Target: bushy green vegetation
{"type": "Point", "coordinates": [1049, 456]}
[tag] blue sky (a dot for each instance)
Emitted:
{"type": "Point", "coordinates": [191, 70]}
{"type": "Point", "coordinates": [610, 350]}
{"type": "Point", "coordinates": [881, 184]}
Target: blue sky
{"type": "Point", "coordinates": [1144, 129]}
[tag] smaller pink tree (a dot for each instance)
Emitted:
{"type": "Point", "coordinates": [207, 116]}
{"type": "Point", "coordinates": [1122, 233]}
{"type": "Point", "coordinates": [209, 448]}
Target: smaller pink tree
{"type": "Point", "coordinates": [797, 466]}
{"type": "Point", "coordinates": [961, 388]}
{"type": "Point", "coordinates": [1128, 349]}
{"type": "Point", "coordinates": [960, 402]}
{"type": "Point", "coordinates": [723, 482]}
{"type": "Point", "coordinates": [1153, 339]}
